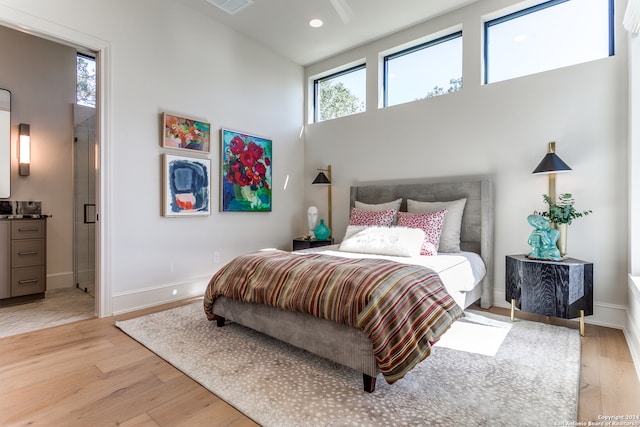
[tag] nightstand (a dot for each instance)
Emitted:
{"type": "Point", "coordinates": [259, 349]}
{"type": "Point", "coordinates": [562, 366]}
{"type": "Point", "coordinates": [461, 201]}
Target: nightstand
{"type": "Point", "coordinates": [300, 243]}
{"type": "Point", "coordinates": [553, 288]}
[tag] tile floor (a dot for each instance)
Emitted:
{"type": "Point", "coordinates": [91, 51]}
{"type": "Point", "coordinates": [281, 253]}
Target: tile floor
{"type": "Point", "coordinates": [59, 306]}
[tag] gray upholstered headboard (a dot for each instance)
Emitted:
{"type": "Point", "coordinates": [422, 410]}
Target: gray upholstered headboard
{"type": "Point", "coordinates": [476, 234]}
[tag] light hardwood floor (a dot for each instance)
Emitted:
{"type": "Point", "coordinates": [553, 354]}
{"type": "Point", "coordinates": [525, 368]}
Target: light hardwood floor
{"type": "Point", "coordinates": [89, 373]}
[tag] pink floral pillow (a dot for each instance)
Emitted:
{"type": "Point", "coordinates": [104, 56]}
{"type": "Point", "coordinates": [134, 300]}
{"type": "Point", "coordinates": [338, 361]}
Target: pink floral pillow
{"type": "Point", "coordinates": [430, 223]}
{"type": "Point", "coordinates": [369, 218]}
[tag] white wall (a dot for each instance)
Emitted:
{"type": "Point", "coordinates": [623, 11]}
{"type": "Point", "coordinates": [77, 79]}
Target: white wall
{"type": "Point", "coordinates": [162, 56]}
{"type": "Point", "coordinates": [500, 130]}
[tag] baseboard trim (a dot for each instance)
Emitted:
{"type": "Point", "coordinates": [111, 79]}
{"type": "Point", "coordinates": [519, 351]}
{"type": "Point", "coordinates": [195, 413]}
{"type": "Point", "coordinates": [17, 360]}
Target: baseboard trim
{"type": "Point", "coordinates": [60, 280]}
{"type": "Point", "coordinates": [634, 347]}
{"type": "Point", "coordinates": [604, 314]}
{"type": "Point", "coordinates": [139, 299]}
{"type": "Point", "coordinates": [632, 329]}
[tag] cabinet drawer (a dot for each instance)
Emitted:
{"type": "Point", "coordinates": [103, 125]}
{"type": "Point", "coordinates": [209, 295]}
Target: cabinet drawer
{"type": "Point", "coordinates": [27, 229]}
{"type": "Point", "coordinates": [26, 281]}
{"type": "Point", "coordinates": [5, 259]}
{"type": "Point", "coordinates": [27, 253]}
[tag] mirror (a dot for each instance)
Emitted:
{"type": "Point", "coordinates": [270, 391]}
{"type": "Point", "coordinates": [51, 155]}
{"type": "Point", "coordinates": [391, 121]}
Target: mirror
{"type": "Point", "coordinates": [5, 143]}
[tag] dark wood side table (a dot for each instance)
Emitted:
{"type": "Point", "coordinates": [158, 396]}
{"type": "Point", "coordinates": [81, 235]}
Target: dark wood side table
{"type": "Point", "coordinates": [553, 288]}
{"type": "Point", "coordinates": [301, 243]}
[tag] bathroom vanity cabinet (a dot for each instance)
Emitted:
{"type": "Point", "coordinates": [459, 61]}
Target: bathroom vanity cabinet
{"type": "Point", "coordinates": [22, 259]}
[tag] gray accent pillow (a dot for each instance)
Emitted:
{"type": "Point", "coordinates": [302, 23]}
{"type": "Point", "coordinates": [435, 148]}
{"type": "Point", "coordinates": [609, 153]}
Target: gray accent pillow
{"type": "Point", "coordinates": [395, 204]}
{"type": "Point", "coordinates": [377, 207]}
{"type": "Point", "coordinates": [450, 237]}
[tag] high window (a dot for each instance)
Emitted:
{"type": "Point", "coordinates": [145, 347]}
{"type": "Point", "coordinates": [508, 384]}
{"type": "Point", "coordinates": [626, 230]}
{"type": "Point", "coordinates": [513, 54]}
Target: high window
{"type": "Point", "coordinates": [340, 94]}
{"type": "Point", "coordinates": [551, 35]}
{"type": "Point", "coordinates": [423, 71]}
{"type": "Point", "coordinates": [86, 80]}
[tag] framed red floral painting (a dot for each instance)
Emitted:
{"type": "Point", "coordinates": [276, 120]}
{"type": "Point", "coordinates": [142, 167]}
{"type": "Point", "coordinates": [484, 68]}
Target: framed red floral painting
{"type": "Point", "coordinates": [246, 172]}
{"type": "Point", "coordinates": [185, 133]}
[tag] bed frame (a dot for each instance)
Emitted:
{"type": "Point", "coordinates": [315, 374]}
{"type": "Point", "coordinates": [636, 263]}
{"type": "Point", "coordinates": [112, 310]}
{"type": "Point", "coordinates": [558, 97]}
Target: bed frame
{"type": "Point", "coordinates": [349, 346]}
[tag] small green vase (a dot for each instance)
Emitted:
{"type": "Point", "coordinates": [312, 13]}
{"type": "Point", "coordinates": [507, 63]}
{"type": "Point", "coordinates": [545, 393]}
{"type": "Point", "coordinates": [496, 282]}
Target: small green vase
{"type": "Point", "coordinates": [322, 232]}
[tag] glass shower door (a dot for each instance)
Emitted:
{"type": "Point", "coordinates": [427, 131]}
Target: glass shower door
{"type": "Point", "coordinates": [84, 197]}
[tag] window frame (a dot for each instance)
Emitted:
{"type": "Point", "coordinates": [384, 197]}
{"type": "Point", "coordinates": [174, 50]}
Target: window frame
{"type": "Point", "coordinates": [316, 81]}
{"type": "Point", "coordinates": [527, 11]}
{"type": "Point", "coordinates": [408, 51]}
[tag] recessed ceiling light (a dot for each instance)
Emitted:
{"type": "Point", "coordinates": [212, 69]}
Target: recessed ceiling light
{"type": "Point", "coordinates": [316, 23]}
{"type": "Point", "coordinates": [520, 38]}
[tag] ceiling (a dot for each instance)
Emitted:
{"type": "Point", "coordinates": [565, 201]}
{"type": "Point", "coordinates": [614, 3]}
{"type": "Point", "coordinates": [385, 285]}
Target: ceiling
{"type": "Point", "coordinates": [283, 25]}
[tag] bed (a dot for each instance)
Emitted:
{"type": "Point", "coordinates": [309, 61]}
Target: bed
{"type": "Point", "coordinates": [350, 346]}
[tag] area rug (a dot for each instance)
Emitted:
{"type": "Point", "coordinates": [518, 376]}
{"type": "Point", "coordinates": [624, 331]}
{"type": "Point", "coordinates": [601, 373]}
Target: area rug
{"type": "Point", "coordinates": [531, 379]}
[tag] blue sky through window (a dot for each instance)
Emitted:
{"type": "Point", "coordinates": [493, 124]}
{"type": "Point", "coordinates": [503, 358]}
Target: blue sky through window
{"type": "Point", "coordinates": [356, 82]}
{"type": "Point", "coordinates": [414, 75]}
{"type": "Point", "coordinates": [568, 33]}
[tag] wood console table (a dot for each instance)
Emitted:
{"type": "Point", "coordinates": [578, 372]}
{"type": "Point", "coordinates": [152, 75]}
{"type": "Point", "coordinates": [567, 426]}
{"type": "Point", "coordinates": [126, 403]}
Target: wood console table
{"type": "Point", "coordinates": [553, 288]}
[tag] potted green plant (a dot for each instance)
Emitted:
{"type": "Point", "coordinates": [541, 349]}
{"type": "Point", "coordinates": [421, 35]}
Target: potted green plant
{"type": "Point", "coordinates": [562, 213]}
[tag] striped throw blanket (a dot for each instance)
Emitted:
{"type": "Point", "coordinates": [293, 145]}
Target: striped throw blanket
{"type": "Point", "coordinates": [401, 308]}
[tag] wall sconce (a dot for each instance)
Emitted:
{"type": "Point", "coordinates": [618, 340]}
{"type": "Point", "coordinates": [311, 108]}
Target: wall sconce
{"type": "Point", "coordinates": [24, 153]}
{"type": "Point", "coordinates": [326, 180]}
{"type": "Point", "coordinates": [551, 164]}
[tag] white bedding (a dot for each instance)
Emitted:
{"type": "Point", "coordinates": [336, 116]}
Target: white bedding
{"type": "Point", "coordinates": [460, 272]}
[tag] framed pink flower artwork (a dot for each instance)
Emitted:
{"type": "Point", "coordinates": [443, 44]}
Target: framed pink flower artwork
{"type": "Point", "coordinates": [246, 172]}
{"type": "Point", "coordinates": [185, 133]}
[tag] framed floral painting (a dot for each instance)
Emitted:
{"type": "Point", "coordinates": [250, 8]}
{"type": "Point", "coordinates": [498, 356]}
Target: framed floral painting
{"type": "Point", "coordinates": [246, 172]}
{"type": "Point", "coordinates": [185, 133]}
{"type": "Point", "coordinates": [187, 184]}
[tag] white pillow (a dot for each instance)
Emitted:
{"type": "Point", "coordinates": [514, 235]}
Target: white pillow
{"type": "Point", "coordinates": [450, 237]}
{"type": "Point", "coordinates": [393, 241]}
{"type": "Point", "coordinates": [353, 229]}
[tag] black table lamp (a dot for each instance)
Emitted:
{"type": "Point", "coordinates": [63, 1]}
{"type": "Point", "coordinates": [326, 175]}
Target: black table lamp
{"type": "Point", "coordinates": [551, 164]}
{"type": "Point", "coordinates": [326, 180]}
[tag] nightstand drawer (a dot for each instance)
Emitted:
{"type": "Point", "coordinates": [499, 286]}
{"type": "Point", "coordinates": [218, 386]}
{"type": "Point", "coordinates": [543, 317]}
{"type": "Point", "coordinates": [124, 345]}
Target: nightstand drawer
{"type": "Point", "coordinates": [27, 253]}
{"type": "Point", "coordinates": [26, 281]}
{"type": "Point", "coordinates": [27, 229]}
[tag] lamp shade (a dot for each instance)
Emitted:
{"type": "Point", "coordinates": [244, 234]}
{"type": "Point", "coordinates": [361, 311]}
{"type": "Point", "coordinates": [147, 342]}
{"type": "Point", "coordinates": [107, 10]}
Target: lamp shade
{"type": "Point", "coordinates": [321, 179]}
{"type": "Point", "coordinates": [551, 163]}
{"type": "Point", "coordinates": [326, 180]}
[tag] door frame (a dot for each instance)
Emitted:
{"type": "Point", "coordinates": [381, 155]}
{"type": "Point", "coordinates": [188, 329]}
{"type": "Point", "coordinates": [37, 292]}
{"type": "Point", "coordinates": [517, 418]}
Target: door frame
{"type": "Point", "coordinates": [36, 26]}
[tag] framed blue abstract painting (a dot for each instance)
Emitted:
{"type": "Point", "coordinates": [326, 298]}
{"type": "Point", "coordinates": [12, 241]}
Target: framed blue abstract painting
{"type": "Point", "coordinates": [187, 186]}
{"type": "Point", "coordinates": [246, 172]}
